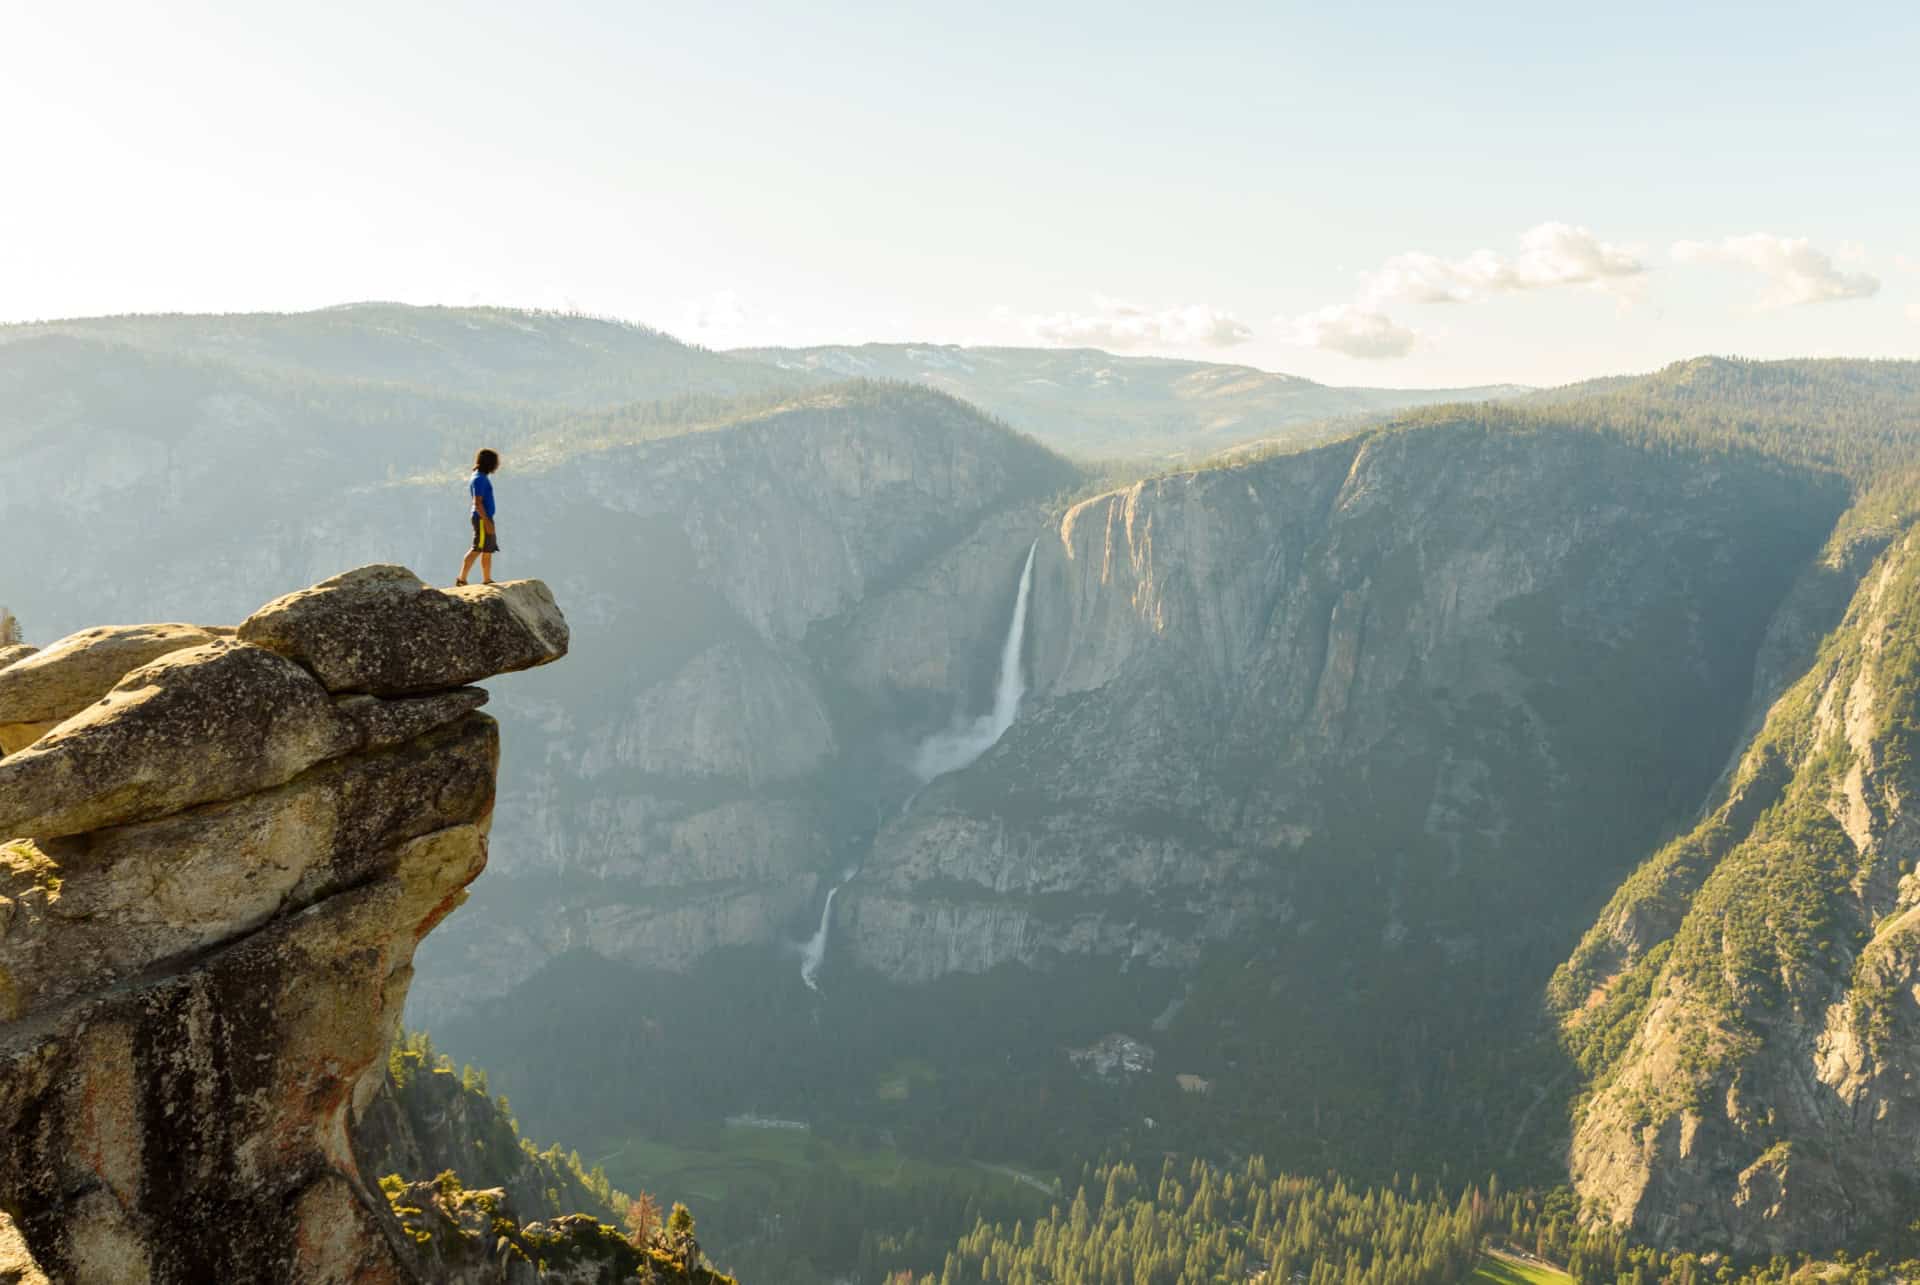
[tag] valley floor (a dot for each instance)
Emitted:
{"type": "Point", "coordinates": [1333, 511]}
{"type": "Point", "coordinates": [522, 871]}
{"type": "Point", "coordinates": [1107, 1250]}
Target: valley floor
{"type": "Point", "coordinates": [712, 1168]}
{"type": "Point", "coordinates": [1498, 1268]}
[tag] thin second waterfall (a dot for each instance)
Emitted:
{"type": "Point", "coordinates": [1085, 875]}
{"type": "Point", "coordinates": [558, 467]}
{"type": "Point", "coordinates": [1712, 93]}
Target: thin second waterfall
{"type": "Point", "coordinates": [951, 750]}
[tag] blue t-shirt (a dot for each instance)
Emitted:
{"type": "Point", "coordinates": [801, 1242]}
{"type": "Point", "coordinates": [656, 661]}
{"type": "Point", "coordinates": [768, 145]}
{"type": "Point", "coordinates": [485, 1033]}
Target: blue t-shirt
{"type": "Point", "coordinates": [481, 488]}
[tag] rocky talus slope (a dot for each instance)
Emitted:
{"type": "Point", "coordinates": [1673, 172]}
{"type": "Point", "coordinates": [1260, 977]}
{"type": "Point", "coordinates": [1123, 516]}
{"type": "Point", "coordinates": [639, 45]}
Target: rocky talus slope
{"type": "Point", "coordinates": [224, 850]}
{"type": "Point", "coordinates": [1747, 1009]}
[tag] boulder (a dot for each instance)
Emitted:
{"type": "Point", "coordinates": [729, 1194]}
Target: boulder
{"type": "Point", "coordinates": [12, 652]}
{"type": "Point", "coordinates": [199, 726]}
{"type": "Point", "coordinates": [381, 629]}
{"type": "Point", "coordinates": [66, 677]}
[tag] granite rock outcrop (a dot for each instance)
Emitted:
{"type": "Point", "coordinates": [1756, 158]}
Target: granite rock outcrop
{"type": "Point", "coordinates": [214, 874]}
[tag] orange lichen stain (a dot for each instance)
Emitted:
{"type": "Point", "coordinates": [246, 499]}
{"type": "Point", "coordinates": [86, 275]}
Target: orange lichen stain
{"type": "Point", "coordinates": [108, 1140]}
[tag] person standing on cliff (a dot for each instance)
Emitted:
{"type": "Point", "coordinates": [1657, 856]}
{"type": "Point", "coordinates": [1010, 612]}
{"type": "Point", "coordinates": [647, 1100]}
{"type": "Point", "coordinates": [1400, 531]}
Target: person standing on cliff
{"type": "Point", "coordinates": [485, 542]}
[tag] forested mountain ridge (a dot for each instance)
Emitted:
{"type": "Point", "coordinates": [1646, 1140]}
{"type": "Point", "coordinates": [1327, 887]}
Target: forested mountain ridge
{"type": "Point", "coordinates": [1860, 419]}
{"type": "Point", "coordinates": [1092, 403]}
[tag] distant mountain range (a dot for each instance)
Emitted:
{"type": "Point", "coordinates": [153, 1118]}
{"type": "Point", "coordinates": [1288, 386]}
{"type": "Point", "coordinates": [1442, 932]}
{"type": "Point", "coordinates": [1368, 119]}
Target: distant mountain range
{"type": "Point", "coordinates": [488, 353]}
{"type": "Point", "coordinates": [1078, 401]}
{"type": "Point", "coordinates": [1091, 403]}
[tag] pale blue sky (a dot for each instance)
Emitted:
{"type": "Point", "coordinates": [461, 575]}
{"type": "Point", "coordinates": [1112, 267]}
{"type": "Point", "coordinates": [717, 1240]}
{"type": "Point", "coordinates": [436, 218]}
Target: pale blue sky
{"type": "Point", "coordinates": [1219, 181]}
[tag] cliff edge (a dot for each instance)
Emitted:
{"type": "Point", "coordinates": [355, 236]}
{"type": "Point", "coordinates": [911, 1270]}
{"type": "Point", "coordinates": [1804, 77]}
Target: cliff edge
{"type": "Point", "coordinates": [222, 849]}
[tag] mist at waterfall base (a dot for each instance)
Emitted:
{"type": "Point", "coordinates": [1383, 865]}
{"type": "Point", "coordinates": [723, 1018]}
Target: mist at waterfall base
{"type": "Point", "coordinates": [951, 750]}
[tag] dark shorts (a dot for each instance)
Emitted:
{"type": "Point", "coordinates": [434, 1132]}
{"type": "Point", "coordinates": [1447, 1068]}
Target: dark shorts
{"type": "Point", "coordinates": [484, 545]}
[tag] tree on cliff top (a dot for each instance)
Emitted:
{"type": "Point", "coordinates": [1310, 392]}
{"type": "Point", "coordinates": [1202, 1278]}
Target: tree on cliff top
{"type": "Point", "coordinates": [9, 629]}
{"type": "Point", "coordinates": [643, 1219]}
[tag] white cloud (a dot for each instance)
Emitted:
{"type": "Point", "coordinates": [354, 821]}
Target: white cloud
{"type": "Point", "coordinates": [1115, 323]}
{"type": "Point", "coordinates": [723, 318]}
{"type": "Point", "coordinates": [1797, 273]}
{"type": "Point", "coordinates": [719, 311]}
{"type": "Point", "coordinates": [1551, 254]}
{"type": "Point", "coordinates": [1352, 329]}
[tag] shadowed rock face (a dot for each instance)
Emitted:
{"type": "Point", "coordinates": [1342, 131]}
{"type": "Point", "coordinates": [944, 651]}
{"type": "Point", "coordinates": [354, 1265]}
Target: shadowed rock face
{"type": "Point", "coordinates": [207, 930]}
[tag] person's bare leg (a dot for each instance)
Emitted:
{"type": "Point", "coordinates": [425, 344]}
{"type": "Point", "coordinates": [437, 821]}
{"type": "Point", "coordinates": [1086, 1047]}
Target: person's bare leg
{"type": "Point", "coordinates": [466, 565]}
{"type": "Point", "coordinates": [486, 568]}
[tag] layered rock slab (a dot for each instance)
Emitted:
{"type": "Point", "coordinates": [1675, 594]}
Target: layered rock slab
{"type": "Point", "coordinates": [203, 725]}
{"type": "Point", "coordinates": [40, 689]}
{"type": "Point", "coordinates": [99, 907]}
{"type": "Point", "coordinates": [382, 629]}
{"type": "Point", "coordinates": [67, 676]}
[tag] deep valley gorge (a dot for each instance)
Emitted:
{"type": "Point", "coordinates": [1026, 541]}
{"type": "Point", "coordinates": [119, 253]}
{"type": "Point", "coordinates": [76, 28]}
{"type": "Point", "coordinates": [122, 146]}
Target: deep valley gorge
{"type": "Point", "coordinates": [1486, 787]}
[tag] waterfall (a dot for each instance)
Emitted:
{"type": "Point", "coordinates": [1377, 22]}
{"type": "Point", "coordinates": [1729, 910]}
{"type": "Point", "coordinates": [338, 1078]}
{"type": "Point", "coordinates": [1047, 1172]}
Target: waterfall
{"type": "Point", "coordinates": [968, 739]}
{"type": "Point", "coordinates": [949, 751]}
{"type": "Point", "coordinates": [815, 950]}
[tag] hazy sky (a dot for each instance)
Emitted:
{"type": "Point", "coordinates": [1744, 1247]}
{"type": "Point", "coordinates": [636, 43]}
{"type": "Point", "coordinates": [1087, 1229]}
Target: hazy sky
{"type": "Point", "coordinates": [1384, 193]}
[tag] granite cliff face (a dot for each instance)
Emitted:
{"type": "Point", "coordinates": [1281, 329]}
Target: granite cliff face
{"type": "Point", "coordinates": [687, 782]}
{"type": "Point", "coordinates": [1413, 660]}
{"type": "Point", "coordinates": [1747, 1008]}
{"type": "Point", "coordinates": [222, 858]}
